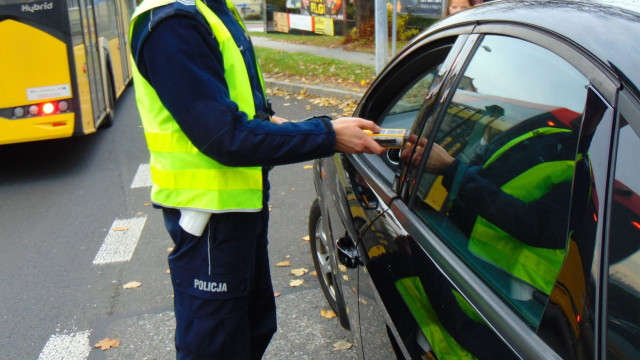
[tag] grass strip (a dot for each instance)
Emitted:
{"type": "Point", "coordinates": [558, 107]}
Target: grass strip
{"type": "Point", "coordinates": [313, 69]}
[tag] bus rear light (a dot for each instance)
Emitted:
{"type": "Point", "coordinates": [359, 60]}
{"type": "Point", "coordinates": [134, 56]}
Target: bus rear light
{"type": "Point", "coordinates": [63, 105]}
{"type": "Point", "coordinates": [48, 108]}
{"type": "Point", "coordinates": [18, 112]}
{"type": "Point", "coordinates": [34, 110]}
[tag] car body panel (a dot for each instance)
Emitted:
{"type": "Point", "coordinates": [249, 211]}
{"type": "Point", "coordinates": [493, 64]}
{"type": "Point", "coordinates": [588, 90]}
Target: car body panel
{"type": "Point", "coordinates": [411, 294]}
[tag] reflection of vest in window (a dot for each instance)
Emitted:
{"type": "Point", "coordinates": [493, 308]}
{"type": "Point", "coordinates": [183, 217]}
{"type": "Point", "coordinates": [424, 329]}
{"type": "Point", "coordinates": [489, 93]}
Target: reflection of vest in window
{"type": "Point", "coordinates": [182, 176]}
{"type": "Point", "coordinates": [536, 266]}
{"type": "Point", "coordinates": [442, 343]}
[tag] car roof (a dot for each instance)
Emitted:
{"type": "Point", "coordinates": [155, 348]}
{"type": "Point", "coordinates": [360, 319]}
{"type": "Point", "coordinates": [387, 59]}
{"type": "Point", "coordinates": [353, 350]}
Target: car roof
{"type": "Point", "coordinates": [608, 29]}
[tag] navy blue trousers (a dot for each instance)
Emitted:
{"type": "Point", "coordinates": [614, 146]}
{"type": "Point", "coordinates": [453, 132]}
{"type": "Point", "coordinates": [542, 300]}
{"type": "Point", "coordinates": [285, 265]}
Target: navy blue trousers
{"type": "Point", "coordinates": [223, 297]}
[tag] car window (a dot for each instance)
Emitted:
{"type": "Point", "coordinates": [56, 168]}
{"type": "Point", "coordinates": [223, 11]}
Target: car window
{"type": "Point", "coordinates": [497, 186]}
{"type": "Point", "coordinates": [623, 295]}
{"type": "Point", "coordinates": [404, 110]}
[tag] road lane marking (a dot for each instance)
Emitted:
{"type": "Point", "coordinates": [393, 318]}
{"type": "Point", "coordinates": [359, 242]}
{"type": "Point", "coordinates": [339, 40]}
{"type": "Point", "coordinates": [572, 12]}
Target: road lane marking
{"type": "Point", "coordinates": [121, 241]}
{"type": "Point", "coordinates": [67, 347]}
{"type": "Point", "coordinates": [142, 177]}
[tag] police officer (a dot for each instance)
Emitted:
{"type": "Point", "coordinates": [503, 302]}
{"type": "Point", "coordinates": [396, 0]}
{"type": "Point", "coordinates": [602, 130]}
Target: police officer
{"type": "Point", "coordinates": [201, 99]}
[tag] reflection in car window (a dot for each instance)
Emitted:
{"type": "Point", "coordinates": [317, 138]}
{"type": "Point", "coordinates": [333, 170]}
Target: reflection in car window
{"type": "Point", "coordinates": [623, 299]}
{"type": "Point", "coordinates": [497, 183]}
{"type": "Point", "coordinates": [403, 113]}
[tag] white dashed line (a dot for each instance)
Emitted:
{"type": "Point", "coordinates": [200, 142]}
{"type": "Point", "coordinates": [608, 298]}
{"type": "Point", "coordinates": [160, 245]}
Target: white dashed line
{"type": "Point", "coordinates": [121, 241]}
{"type": "Point", "coordinates": [67, 347]}
{"type": "Point", "coordinates": [143, 177]}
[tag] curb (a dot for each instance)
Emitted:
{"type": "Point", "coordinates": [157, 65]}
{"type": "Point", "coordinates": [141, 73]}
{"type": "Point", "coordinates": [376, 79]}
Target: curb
{"type": "Point", "coordinates": [317, 90]}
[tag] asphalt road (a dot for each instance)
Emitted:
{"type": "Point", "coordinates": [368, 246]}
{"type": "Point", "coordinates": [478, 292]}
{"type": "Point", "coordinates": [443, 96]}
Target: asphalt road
{"type": "Point", "coordinates": [65, 203]}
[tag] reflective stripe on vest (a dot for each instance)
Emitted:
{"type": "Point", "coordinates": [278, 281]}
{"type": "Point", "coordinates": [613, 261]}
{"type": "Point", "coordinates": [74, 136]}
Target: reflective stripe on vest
{"type": "Point", "coordinates": [537, 266]}
{"type": "Point", "coordinates": [182, 176]}
{"type": "Point", "coordinates": [442, 343]}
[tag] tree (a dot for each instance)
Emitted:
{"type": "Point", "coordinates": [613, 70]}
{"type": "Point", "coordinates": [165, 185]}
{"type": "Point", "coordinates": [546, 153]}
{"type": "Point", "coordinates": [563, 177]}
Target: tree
{"type": "Point", "coordinates": [365, 17]}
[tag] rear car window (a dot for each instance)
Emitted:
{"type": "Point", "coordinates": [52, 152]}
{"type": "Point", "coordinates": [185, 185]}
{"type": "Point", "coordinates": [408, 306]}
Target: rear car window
{"type": "Point", "coordinates": [623, 295]}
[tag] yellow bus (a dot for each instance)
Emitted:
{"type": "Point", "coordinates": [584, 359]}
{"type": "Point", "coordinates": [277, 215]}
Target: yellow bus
{"type": "Point", "coordinates": [63, 65]}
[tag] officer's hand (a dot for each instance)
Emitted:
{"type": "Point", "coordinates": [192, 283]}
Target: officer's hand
{"type": "Point", "coordinates": [438, 161]}
{"type": "Point", "coordinates": [352, 140]}
{"type": "Point", "coordinates": [278, 120]}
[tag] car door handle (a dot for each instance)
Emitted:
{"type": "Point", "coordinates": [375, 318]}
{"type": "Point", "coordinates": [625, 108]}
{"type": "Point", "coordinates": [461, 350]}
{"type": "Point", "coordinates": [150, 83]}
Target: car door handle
{"type": "Point", "coordinates": [347, 253]}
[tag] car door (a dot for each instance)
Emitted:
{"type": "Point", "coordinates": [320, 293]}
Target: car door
{"type": "Point", "coordinates": [495, 198]}
{"type": "Point", "coordinates": [622, 274]}
{"type": "Point", "coordinates": [395, 101]}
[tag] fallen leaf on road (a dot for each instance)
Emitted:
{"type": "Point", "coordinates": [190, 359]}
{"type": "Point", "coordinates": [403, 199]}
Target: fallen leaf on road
{"type": "Point", "coordinates": [106, 344]}
{"type": "Point", "coordinates": [299, 272]}
{"type": "Point", "coordinates": [288, 256]}
{"type": "Point", "coordinates": [345, 277]}
{"type": "Point", "coordinates": [328, 314]}
{"type": "Point", "coordinates": [121, 228]}
{"type": "Point", "coordinates": [296, 282]}
{"type": "Point", "coordinates": [139, 213]}
{"type": "Point", "coordinates": [170, 249]}
{"type": "Point", "coordinates": [168, 271]}
{"type": "Point", "coordinates": [308, 167]}
{"type": "Point", "coordinates": [283, 264]}
{"type": "Point", "coordinates": [306, 238]}
{"type": "Point", "coordinates": [342, 268]}
{"type": "Point", "coordinates": [147, 204]}
{"type": "Point", "coordinates": [313, 273]}
{"type": "Point", "coordinates": [276, 294]}
{"type": "Point", "coordinates": [342, 345]}
{"type": "Point", "coordinates": [132, 285]}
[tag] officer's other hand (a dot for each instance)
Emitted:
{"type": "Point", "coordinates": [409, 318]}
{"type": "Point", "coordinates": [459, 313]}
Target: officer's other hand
{"type": "Point", "coordinates": [351, 139]}
{"type": "Point", "coordinates": [278, 120]}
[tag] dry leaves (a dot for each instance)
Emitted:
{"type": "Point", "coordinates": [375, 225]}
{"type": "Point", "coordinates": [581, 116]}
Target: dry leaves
{"type": "Point", "coordinates": [299, 272]}
{"type": "Point", "coordinates": [308, 167]}
{"type": "Point", "coordinates": [132, 285]}
{"type": "Point", "coordinates": [313, 273]}
{"type": "Point", "coordinates": [342, 345]}
{"type": "Point", "coordinates": [328, 314]}
{"type": "Point", "coordinates": [121, 228]}
{"type": "Point", "coordinates": [276, 294]}
{"type": "Point", "coordinates": [283, 264]}
{"type": "Point", "coordinates": [296, 282]}
{"type": "Point", "coordinates": [106, 344]}
{"type": "Point", "coordinates": [306, 238]}
{"type": "Point", "coordinates": [342, 268]}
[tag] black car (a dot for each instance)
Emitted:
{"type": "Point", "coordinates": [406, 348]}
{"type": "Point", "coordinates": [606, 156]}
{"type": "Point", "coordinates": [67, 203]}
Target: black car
{"type": "Point", "coordinates": [508, 226]}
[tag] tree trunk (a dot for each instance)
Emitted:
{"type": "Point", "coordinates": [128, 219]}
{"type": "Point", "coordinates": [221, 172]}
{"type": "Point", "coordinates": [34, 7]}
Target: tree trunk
{"type": "Point", "coordinates": [365, 12]}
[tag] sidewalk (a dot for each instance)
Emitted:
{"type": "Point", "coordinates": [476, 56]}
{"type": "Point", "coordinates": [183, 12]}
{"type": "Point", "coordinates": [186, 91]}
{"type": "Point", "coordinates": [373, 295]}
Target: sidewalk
{"type": "Point", "coordinates": [326, 90]}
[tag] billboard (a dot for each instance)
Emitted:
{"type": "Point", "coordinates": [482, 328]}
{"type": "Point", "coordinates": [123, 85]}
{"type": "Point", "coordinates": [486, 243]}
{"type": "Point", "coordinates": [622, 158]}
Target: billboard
{"type": "Point", "coordinates": [422, 7]}
{"type": "Point", "coordinates": [331, 8]}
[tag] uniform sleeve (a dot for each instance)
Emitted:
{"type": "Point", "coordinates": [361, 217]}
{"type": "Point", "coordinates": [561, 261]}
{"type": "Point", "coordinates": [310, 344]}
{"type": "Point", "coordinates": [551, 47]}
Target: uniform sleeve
{"type": "Point", "coordinates": [183, 63]}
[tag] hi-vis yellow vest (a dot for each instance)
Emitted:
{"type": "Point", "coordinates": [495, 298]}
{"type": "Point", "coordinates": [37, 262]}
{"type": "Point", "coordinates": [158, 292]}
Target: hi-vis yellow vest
{"type": "Point", "coordinates": [537, 266]}
{"type": "Point", "coordinates": [182, 176]}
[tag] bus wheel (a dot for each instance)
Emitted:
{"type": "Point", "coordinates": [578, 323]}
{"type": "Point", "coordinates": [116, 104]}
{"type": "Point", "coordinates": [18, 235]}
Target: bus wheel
{"type": "Point", "coordinates": [111, 104]}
